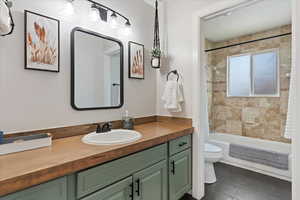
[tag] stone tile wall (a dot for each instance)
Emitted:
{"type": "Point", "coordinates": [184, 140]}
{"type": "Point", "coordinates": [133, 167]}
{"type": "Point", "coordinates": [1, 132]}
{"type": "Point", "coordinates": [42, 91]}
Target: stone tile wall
{"type": "Point", "coordinates": [257, 117]}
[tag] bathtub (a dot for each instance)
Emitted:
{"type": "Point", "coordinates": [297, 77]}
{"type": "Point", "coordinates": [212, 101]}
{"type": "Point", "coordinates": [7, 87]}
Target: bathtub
{"type": "Point", "coordinates": [223, 141]}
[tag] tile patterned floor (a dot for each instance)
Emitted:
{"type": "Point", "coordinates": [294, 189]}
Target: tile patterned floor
{"type": "Point", "coordinates": [239, 184]}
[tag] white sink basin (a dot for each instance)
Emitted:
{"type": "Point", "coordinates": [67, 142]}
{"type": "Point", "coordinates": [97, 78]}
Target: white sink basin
{"type": "Point", "coordinates": [118, 136]}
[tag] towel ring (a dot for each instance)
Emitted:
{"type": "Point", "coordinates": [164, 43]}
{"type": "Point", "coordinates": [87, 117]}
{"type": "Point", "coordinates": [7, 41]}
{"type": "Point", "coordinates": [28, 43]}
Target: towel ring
{"type": "Point", "coordinates": [173, 72]}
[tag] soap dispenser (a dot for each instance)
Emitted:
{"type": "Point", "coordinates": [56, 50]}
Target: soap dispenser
{"type": "Point", "coordinates": [128, 122]}
{"type": "Point", "coordinates": [1, 137]}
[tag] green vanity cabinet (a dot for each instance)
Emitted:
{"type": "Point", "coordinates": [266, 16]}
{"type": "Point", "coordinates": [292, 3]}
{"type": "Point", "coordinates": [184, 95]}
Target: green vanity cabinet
{"type": "Point", "coordinates": [180, 171]}
{"type": "Point", "coordinates": [93, 179]}
{"type": "Point", "coordinates": [147, 184]}
{"type": "Point", "coordinates": [122, 190]}
{"type": "Point", "coordinates": [180, 144]}
{"type": "Point", "coordinates": [52, 190]}
{"type": "Point", "coordinates": [161, 172]}
{"type": "Point", "coordinates": [151, 183]}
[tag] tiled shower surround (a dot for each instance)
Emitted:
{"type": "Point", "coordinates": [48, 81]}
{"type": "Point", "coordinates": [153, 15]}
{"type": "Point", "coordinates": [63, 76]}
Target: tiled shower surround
{"type": "Point", "coordinates": [257, 117]}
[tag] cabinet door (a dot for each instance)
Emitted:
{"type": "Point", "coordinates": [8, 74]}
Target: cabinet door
{"type": "Point", "coordinates": [56, 189]}
{"type": "Point", "coordinates": [122, 190]}
{"type": "Point", "coordinates": [180, 174]}
{"type": "Point", "coordinates": [151, 183]}
{"type": "Point", "coordinates": [96, 178]}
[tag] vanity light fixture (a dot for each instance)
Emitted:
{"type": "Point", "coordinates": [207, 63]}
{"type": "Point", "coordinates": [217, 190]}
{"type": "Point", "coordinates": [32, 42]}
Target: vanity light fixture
{"type": "Point", "coordinates": [94, 14]}
{"type": "Point", "coordinates": [70, 2]}
{"type": "Point", "coordinates": [127, 29]}
{"type": "Point", "coordinates": [114, 20]}
{"type": "Point", "coordinates": [102, 11]}
{"type": "Point", "coordinates": [228, 14]}
{"type": "Point", "coordinates": [69, 8]}
{"type": "Point", "coordinates": [114, 17]}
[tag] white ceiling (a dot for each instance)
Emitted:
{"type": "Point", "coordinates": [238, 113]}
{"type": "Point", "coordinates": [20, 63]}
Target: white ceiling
{"type": "Point", "coordinates": [261, 16]}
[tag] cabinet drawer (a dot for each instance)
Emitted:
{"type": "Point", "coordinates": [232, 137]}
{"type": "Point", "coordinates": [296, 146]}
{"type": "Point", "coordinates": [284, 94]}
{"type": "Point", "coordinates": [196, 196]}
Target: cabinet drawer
{"type": "Point", "coordinates": [93, 179]}
{"type": "Point", "coordinates": [120, 190]}
{"type": "Point", "coordinates": [180, 144]}
{"type": "Point", "coordinates": [56, 189]}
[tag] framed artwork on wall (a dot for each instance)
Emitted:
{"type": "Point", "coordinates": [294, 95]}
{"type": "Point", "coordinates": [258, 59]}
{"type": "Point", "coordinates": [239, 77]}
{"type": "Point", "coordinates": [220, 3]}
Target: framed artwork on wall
{"type": "Point", "coordinates": [136, 60]}
{"type": "Point", "coordinates": [42, 42]}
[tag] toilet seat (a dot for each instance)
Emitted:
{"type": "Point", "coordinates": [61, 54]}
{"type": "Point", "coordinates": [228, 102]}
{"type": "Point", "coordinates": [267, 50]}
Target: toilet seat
{"type": "Point", "coordinates": [210, 148]}
{"type": "Point", "coordinates": [212, 152]}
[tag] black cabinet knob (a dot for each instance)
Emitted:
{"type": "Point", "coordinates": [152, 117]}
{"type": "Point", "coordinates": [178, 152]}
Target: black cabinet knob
{"type": "Point", "coordinates": [182, 144]}
{"type": "Point", "coordinates": [173, 167]}
{"type": "Point", "coordinates": [138, 192]}
{"type": "Point", "coordinates": [131, 190]}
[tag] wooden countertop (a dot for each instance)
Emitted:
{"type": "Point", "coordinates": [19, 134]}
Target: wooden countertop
{"type": "Point", "coordinates": [68, 155]}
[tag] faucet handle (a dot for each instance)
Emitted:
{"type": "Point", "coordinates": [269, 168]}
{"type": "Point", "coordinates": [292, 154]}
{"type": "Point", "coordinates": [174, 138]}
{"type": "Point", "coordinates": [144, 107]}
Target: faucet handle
{"type": "Point", "coordinates": [110, 125]}
{"type": "Point", "coordinates": [103, 128]}
{"type": "Point", "coordinates": [106, 127]}
{"type": "Point", "coordinates": [99, 128]}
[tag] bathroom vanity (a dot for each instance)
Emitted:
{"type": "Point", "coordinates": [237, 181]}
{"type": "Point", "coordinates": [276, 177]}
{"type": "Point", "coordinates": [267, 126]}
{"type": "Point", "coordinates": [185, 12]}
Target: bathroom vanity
{"type": "Point", "coordinates": [155, 167]}
{"type": "Point", "coordinates": [158, 166]}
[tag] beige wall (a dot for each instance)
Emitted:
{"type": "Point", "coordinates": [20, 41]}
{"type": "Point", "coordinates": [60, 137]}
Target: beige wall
{"type": "Point", "coordinates": [36, 100]}
{"type": "Point", "coordinates": [252, 117]}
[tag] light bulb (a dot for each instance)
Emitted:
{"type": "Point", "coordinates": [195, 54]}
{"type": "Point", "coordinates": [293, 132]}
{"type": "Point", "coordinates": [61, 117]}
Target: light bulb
{"type": "Point", "coordinates": [127, 29]}
{"type": "Point", "coordinates": [94, 14]}
{"type": "Point", "coordinates": [228, 13]}
{"type": "Point", "coordinates": [113, 21]}
{"type": "Point", "coordinates": [69, 8]}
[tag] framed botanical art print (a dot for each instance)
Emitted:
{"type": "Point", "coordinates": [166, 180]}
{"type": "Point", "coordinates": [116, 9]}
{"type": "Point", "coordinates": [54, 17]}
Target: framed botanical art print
{"type": "Point", "coordinates": [42, 40]}
{"type": "Point", "coordinates": [136, 60]}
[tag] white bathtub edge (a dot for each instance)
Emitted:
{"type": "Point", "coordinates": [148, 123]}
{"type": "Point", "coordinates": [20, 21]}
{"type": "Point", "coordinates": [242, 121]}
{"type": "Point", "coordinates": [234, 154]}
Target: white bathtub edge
{"type": "Point", "coordinates": [259, 168]}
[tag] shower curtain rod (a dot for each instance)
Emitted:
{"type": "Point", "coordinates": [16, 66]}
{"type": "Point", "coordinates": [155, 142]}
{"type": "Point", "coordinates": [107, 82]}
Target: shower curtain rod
{"type": "Point", "coordinates": [251, 41]}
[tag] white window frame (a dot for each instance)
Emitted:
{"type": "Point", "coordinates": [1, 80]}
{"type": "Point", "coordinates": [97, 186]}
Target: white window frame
{"type": "Point", "coordinates": [252, 75]}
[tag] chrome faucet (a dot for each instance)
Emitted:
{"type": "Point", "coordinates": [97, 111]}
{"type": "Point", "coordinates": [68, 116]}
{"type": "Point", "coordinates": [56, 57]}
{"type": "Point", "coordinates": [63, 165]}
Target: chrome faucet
{"type": "Point", "coordinates": [104, 128]}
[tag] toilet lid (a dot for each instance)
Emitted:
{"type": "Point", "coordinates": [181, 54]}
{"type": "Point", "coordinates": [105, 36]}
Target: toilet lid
{"type": "Point", "coordinates": [212, 148]}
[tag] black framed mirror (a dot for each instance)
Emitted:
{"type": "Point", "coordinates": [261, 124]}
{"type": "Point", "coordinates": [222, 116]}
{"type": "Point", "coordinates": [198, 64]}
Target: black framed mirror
{"type": "Point", "coordinates": [96, 71]}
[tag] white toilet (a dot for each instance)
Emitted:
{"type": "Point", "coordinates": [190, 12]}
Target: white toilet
{"type": "Point", "coordinates": [212, 154]}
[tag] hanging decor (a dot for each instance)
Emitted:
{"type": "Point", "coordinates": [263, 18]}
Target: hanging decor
{"type": "Point", "coordinates": [42, 43]}
{"type": "Point", "coordinates": [156, 52]}
{"type": "Point", "coordinates": [136, 60]}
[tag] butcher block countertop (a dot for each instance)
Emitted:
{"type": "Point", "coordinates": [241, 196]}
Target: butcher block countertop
{"type": "Point", "coordinates": [68, 155]}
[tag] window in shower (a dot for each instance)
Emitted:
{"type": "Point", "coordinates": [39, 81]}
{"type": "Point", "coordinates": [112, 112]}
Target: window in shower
{"type": "Point", "coordinates": [253, 75]}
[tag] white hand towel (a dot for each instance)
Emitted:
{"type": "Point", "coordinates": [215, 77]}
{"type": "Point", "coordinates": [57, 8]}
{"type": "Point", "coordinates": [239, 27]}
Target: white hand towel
{"type": "Point", "coordinates": [5, 21]}
{"type": "Point", "coordinates": [173, 96]}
